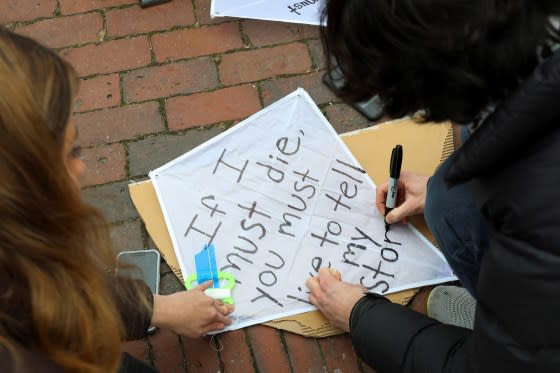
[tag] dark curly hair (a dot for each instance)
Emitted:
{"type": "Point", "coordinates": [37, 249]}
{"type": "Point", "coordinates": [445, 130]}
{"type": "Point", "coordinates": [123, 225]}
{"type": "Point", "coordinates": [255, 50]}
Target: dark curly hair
{"type": "Point", "coordinates": [447, 58]}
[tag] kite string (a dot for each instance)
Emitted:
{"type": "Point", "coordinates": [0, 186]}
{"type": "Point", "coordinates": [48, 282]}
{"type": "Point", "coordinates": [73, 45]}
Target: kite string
{"type": "Point", "coordinates": [215, 343]}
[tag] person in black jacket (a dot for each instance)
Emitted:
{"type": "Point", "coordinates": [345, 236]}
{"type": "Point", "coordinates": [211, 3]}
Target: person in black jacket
{"type": "Point", "coordinates": [493, 68]}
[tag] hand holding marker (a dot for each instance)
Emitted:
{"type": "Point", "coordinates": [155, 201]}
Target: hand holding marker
{"type": "Point", "coordinates": [394, 174]}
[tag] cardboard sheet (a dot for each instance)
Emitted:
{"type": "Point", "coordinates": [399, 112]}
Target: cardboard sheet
{"type": "Point", "coordinates": [428, 143]}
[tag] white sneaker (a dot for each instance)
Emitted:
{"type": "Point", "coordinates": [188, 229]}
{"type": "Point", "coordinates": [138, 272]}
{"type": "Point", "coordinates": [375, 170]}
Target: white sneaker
{"type": "Point", "coordinates": [452, 305]}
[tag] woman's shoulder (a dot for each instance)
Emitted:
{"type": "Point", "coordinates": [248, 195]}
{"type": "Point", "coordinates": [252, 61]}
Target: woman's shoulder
{"type": "Point", "coordinates": [521, 125]}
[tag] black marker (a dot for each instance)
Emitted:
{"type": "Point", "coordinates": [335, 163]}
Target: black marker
{"type": "Point", "coordinates": [394, 174]}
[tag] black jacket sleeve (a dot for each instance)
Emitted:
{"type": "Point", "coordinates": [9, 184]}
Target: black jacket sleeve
{"type": "Point", "coordinates": [134, 301]}
{"type": "Point", "coordinates": [513, 161]}
{"type": "Point", "coordinates": [391, 338]}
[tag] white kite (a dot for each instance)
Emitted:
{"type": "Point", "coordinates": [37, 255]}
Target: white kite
{"type": "Point", "coordinates": [277, 197]}
{"type": "Point", "coordinates": [308, 11]}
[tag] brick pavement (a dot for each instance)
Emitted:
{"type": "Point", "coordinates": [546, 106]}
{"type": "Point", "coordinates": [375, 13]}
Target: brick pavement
{"type": "Point", "coordinates": [157, 82]}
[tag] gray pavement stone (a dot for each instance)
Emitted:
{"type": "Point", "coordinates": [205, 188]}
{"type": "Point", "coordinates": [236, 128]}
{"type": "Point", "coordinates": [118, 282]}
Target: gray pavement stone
{"type": "Point", "coordinates": [127, 236]}
{"type": "Point", "coordinates": [113, 200]}
{"type": "Point", "coordinates": [154, 151]}
{"type": "Point", "coordinates": [273, 90]}
{"type": "Point", "coordinates": [345, 118]}
{"type": "Point", "coordinates": [169, 284]}
{"type": "Point", "coordinates": [318, 53]}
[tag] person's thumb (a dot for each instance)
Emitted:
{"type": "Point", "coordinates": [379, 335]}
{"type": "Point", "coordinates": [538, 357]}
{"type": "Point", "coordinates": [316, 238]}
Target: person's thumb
{"type": "Point", "coordinates": [397, 214]}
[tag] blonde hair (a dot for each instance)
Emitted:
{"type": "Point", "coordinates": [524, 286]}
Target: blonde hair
{"type": "Point", "coordinates": [55, 255]}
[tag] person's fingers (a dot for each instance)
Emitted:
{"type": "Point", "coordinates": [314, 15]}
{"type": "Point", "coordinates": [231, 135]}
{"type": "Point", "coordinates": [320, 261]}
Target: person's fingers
{"type": "Point", "coordinates": [399, 213]}
{"type": "Point", "coordinates": [405, 175]}
{"type": "Point", "coordinates": [219, 306]}
{"type": "Point", "coordinates": [230, 308]}
{"type": "Point", "coordinates": [313, 300]}
{"type": "Point", "coordinates": [224, 320]}
{"type": "Point", "coordinates": [401, 195]}
{"type": "Point", "coordinates": [336, 273]}
{"type": "Point", "coordinates": [218, 317]}
{"type": "Point", "coordinates": [330, 272]}
{"type": "Point", "coordinates": [325, 278]}
{"type": "Point", "coordinates": [204, 285]}
{"type": "Point", "coordinates": [384, 187]}
{"type": "Point", "coordinates": [393, 217]}
{"type": "Point", "coordinates": [205, 330]}
{"type": "Point", "coordinates": [213, 327]}
{"type": "Point", "coordinates": [313, 285]}
{"type": "Point", "coordinates": [325, 271]}
{"type": "Point", "coordinates": [224, 309]}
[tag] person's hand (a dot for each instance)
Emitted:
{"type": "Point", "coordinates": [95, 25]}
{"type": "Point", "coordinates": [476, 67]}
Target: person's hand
{"type": "Point", "coordinates": [190, 313]}
{"type": "Point", "coordinates": [333, 297]}
{"type": "Point", "coordinates": [411, 197]}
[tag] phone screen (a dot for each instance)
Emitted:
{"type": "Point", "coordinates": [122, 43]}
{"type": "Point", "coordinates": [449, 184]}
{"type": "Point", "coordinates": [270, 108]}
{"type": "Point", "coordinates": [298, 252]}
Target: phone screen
{"type": "Point", "coordinates": [140, 265]}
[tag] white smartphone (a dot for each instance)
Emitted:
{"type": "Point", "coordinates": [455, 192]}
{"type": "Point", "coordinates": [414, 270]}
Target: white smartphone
{"type": "Point", "coordinates": [140, 265]}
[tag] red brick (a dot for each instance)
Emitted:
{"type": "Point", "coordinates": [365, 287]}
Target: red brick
{"type": "Point", "coordinates": [273, 90]}
{"type": "Point", "coordinates": [25, 10]}
{"type": "Point", "coordinates": [116, 124]}
{"type": "Point", "coordinates": [167, 80]}
{"type": "Point", "coordinates": [135, 20]}
{"type": "Point", "coordinates": [202, 10]}
{"type": "Point", "coordinates": [339, 354]}
{"type": "Point", "coordinates": [268, 350]}
{"type": "Point", "coordinates": [81, 6]}
{"type": "Point", "coordinates": [104, 164]}
{"type": "Point", "coordinates": [305, 354]}
{"type": "Point", "coordinates": [309, 31]}
{"type": "Point", "coordinates": [196, 42]}
{"type": "Point", "coordinates": [264, 63]}
{"type": "Point", "coordinates": [212, 107]}
{"type": "Point", "coordinates": [267, 33]}
{"type": "Point", "coordinates": [139, 349]}
{"type": "Point", "coordinates": [108, 57]}
{"type": "Point", "coordinates": [201, 355]}
{"type": "Point", "coordinates": [99, 92]}
{"type": "Point", "coordinates": [236, 355]}
{"type": "Point", "coordinates": [65, 31]}
{"type": "Point", "coordinates": [167, 352]}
